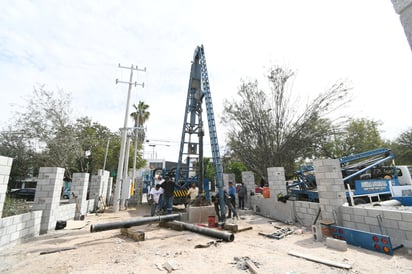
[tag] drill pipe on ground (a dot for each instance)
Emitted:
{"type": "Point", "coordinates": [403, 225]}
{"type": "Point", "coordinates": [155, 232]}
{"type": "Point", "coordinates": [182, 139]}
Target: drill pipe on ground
{"type": "Point", "coordinates": [135, 222]}
{"type": "Point", "coordinates": [224, 235]}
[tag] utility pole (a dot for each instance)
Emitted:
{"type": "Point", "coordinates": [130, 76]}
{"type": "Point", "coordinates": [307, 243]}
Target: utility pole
{"type": "Point", "coordinates": [119, 180]}
{"type": "Point", "coordinates": [105, 154]}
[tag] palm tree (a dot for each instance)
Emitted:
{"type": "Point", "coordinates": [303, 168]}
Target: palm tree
{"type": "Point", "coordinates": [140, 116]}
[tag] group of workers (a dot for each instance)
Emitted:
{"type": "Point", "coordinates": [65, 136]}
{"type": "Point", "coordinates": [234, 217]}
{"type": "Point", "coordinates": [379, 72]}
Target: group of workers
{"type": "Point", "coordinates": [230, 201]}
{"type": "Point", "coordinates": [161, 197]}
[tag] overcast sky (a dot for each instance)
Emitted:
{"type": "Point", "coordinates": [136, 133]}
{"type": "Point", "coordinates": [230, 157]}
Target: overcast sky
{"type": "Point", "coordinates": [77, 46]}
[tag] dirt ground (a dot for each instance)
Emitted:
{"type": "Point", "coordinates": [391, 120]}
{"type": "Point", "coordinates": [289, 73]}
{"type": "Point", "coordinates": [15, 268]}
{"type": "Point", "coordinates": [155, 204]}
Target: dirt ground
{"type": "Point", "coordinates": [111, 252]}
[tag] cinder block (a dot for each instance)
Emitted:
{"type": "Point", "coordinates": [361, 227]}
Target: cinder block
{"type": "Point", "coordinates": [133, 233]}
{"type": "Point", "coordinates": [200, 214]}
{"type": "Point", "coordinates": [358, 219]}
{"type": "Point", "coordinates": [392, 215]}
{"type": "Point", "coordinates": [231, 227]}
{"type": "Point", "coordinates": [317, 233]}
{"type": "Point", "coordinates": [336, 244]}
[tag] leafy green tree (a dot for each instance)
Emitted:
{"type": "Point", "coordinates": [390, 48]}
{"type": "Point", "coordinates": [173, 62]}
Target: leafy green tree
{"type": "Point", "coordinates": [236, 168]}
{"type": "Point", "coordinates": [355, 136]}
{"type": "Point", "coordinates": [44, 134]}
{"type": "Point", "coordinates": [45, 120]}
{"type": "Point", "coordinates": [362, 135]}
{"type": "Point", "coordinates": [94, 138]}
{"type": "Point", "coordinates": [271, 129]}
{"type": "Point", "coordinates": [13, 144]}
{"type": "Point", "coordinates": [402, 148]}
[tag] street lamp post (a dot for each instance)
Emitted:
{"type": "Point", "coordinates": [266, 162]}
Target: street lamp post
{"type": "Point", "coordinates": [153, 152]}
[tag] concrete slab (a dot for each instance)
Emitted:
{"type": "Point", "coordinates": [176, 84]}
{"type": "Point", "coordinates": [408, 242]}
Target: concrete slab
{"type": "Point", "coordinates": [200, 214]}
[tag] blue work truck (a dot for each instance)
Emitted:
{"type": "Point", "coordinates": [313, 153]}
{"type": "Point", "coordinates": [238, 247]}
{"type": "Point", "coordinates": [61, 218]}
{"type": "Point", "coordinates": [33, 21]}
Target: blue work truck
{"type": "Point", "coordinates": [365, 178]}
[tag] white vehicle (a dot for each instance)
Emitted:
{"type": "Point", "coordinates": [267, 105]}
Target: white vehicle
{"type": "Point", "coordinates": [404, 175]}
{"type": "Point", "coordinates": [403, 191]}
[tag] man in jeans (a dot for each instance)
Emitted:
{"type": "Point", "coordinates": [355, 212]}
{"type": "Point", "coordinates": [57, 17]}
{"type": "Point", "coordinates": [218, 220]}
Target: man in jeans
{"type": "Point", "coordinates": [241, 194]}
{"type": "Point", "coordinates": [155, 193]}
{"type": "Point", "coordinates": [232, 195]}
{"type": "Point", "coordinates": [168, 187]}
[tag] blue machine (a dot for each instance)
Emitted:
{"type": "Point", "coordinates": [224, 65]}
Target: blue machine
{"type": "Point", "coordinates": [190, 161]}
{"type": "Point", "coordinates": [372, 241]}
{"type": "Point", "coordinates": [362, 172]}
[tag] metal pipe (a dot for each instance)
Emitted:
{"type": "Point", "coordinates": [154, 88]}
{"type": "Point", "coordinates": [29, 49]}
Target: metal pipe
{"type": "Point", "coordinates": [224, 235]}
{"type": "Point", "coordinates": [135, 222]}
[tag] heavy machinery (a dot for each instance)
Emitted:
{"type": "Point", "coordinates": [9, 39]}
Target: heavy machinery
{"type": "Point", "coordinates": [190, 167]}
{"type": "Point", "coordinates": [365, 177]}
{"type": "Point", "coordinates": [190, 164]}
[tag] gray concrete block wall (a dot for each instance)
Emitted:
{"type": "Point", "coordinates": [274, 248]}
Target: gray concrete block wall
{"type": "Point", "coordinates": [98, 185]}
{"type": "Point", "coordinates": [15, 228]}
{"type": "Point", "coordinates": [330, 186]}
{"type": "Point", "coordinates": [46, 206]}
{"type": "Point", "coordinates": [64, 213]}
{"type": "Point", "coordinates": [80, 184]}
{"type": "Point", "coordinates": [248, 178]}
{"type": "Point", "coordinates": [5, 168]}
{"type": "Point", "coordinates": [396, 222]}
{"type": "Point", "coordinates": [404, 9]}
{"type": "Point", "coordinates": [47, 197]}
{"type": "Point", "coordinates": [305, 212]}
{"type": "Point", "coordinates": [105, 175]}
{"type": "Point", "coordinates": [271, 208]}
{"type": "Point", "coordinates": [277, 181]}
{"type": "Point", "coordinates": [90, 205]}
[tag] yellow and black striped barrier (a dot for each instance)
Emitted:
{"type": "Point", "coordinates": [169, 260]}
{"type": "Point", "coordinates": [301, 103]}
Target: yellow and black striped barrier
{"type": "Point", "coordinates": [180, 193]}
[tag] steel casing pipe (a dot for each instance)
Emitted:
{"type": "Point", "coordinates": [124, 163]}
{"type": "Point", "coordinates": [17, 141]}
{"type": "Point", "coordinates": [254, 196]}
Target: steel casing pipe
{"type": "Point", "coordinates": [224, 235]}
{"type": "Point", "coordinates": [135, 222]}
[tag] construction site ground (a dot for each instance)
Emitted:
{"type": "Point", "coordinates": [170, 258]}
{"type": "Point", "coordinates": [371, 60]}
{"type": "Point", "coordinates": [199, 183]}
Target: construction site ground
{"type": "Point", "coordinates": [75, 250]}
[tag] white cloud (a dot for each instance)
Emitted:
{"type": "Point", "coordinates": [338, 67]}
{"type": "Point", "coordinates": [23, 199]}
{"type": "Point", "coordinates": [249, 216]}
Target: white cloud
{"type": "Point", "coordinates": [77, 45]}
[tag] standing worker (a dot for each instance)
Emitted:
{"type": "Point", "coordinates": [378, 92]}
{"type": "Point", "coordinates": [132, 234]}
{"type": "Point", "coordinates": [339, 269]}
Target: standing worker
{"type": "Point", "coordinates": [241, 194]}
{"type": "Point", "coordinates": [155, 193]}
{"type": "Point", "coordinates": [168, 187]}
{"type": "Point", "coordinates": [192, 192]}
{"type": "Point", "coordinates": [232, 195]}
{"type": "Point", "coordinates": [228, 203]}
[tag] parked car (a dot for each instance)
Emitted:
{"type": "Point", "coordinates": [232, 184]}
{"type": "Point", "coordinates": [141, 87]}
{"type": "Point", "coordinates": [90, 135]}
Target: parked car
{"type": "Point", "coordinates": [23, 193]}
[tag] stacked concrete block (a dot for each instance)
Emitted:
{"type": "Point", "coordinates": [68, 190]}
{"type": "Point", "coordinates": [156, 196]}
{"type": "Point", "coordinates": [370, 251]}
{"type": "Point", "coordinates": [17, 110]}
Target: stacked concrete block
{"type": "Point", "coordinates": [98, 185]}
{"type": "Point", "coordinates": [200, 214]}
{"type": "Point", "coordinates": [277, 181]}
{"type": "Point", "coordinates": [105, 175]}
{"type": "Point", "coordinates": [271, 208]}
{"type": "Point", "coordinates": [80, 184]}
{"type": "Point", "coordinates": [404, 9]}
{"type": "Point", "coordinates": [394, 222]}
{"type": "Point", "coordinates": [304, 212]}
{"type": "Point", "coordinates": [5, 168]}
{"type": "Point", "coordinates": [248, 179]}
{"type": "Point", "coordinates": [15, 228]}
{"type": "Point", "coordinates": [47, 197]}
{"type": "Point", "coordinates": [330, 186]}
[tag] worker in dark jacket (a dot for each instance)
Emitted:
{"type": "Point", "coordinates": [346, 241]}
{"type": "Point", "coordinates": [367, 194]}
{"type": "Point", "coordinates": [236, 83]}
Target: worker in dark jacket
{"type": "Point", "coordinates": [168, 187]}
{"type": "Point", "coordinates": [228, 203]}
